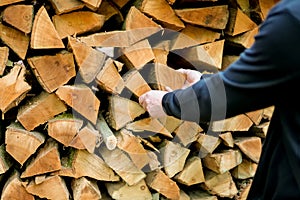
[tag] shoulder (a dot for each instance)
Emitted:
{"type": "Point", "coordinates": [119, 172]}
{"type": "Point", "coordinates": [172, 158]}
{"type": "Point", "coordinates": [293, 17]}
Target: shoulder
{"type": "Point", "coordinates": [291, 7]}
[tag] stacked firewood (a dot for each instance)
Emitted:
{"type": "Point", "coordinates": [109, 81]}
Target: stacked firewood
{"type": "Point", "coordinates": [71, 74]}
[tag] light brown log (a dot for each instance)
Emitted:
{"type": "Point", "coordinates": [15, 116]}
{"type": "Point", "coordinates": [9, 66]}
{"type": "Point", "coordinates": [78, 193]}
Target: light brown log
{"type": "Point", "coordinates": [66, 6]}
{"type": "Point", "coordinates": [227, 139]}
{"type": "Point", "coordinates": [162, 12]}
{"type": "Point", "coordinates": [170, 123]}
{"type": "Point", "coordinates": [87, 138]}
{"type": "Point", "coordinates": [23, 20]}
{"type": "Point", "coordinates": [221, 185]}
{"type": "Point", "coordinates": [118, 161]}
{"type": "Point", "coordinates": [7, 2]}
{"type": "Point", "coordinates": [215, 17]}
{"type": "Point", "coordinates": [256, 116]}
{"type": "Point", "coordinates": [174, 157]}
{"type": "Point", "coordinates": [4, 53]}
{"type": "Point", "coordinates": [250, 146]}
{"type": "Point", "coordinates": [261, 129]}
{"type": "Point", "coordinates": [239, 22]}
{"type": "Point", "coordinates": [161, 51]}
{"type": "Point", "coordinates": [89, 60]}
{"type": "Point", "coordinates": [122, 111]}
{"type": "Point", "coordinates": [268, 112]}
{"type": "Point", "coordinates": [15, 40]}
{"type": "Point", "coordinates": [160, 182]}
{"type": "Point", "coordinates": [245, 6]}
{"type": "Point", "coordinates": [265, 6]}
{"type": "Point", "coordinates": [14, 189]}
{"type": "Point", "coordinates": [77, 22]}
{"type": "Point", "coordinates": [82, 99]}
{"type": "Point", "coordinates": [215, 50]}
{"type": "Point", "coordinates": [47, 160]}
{"type": "Point", "coordinates": [20, 143]}
{"type": "Point", "coordinates": [44, 34]}
{"type": "Point", "coordinates": [13, 88]}
{"type": "Point", "coordinates": [63, 128]}
{"type": "Point", "coordinates": [187, 132]}
{"type": "Point", "coordinates": [135, 82]}
{"type": "Point", "coordinates": [109, 78]}
{"type": "Point", "coordinates": [237, 123]}
{"type": "Point", "coordinates": [106, 133]}
{"type": "Point", "coordinates": [207, 144]}
{"type": "Point", "coordinates": [133, 147]}
{"type": "Point", "coordinates": [228, 60]}
{"type": "Point", "coordinates": [5, 160]}
{"type": "Point", "coordinates": [162, 76]}
{"type": "Point", "coordinates": [223, 161]}
{"type": "Point", "coordinates": [53, 187]}
{"type": "Point", "coordinates": [245, 39]}
{"type": "Point", "coordinates": [81, 163]}
{"type": "Point", "coordinates": [53, 71]}
{"type": "Point", "coordinates": [92, 4]}
{"type": "Point", "coordinates": [193, 35]}
{"type": "Point", "coordinates": [85, 189]}
{"type": "Point", "coordinates": [244, 170]}
{"type": "Point", "coordinates": [148, 126]}
{"type": "Point", "coordinates": [39, 110]}
{"type": "Point", "coordinates": [122, 191]}
{"type": "Point", "coordinates": [192, 172]}
{"type": "Point", "coordinates": [137, 55]}
{"type": "Point", "coordinates": [154, 163]}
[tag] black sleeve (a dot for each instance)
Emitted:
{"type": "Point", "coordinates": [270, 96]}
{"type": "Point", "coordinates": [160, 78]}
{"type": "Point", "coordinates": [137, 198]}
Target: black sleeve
{"type": "Point", "coordinates": [259, 78]}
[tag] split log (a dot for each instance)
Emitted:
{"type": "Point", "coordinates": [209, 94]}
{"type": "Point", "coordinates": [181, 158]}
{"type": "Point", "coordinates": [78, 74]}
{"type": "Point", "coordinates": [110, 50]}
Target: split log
{"type": "Point", "coordinates": [92, 4]}
{"type": "Point", "coordinates": [66, 6]}
{"type": "Point", "coordinates": [5, 160]}
{"type": "Point", "coordinates": [82, 99]}
{"type": "Point", "coordinates": [215, 50]}
{"type": "Point", "coordinates": [23, 21]}
{"type": "Point", "coordinates": [89, 60]}
{"type": "Point", "coordinates": [207, 144]}
{"type": "Point", "coordinates": [220, 184]}
{"type": "Point", "coordinates": [192, 172]}
{"type": "Point", "coordinates": [122, 165]}
{"type": "Point", "coordinates": [109, 78]}
{"type": "Point", "coordinates": [148, 126]}
{"type": "Point", "coordinates": [162, 12]}
{"type": "Point", "coordinates": [160, 182]}
{"type": "Point", "coordinates": [85, 189]}
{"type": "Point", "coordinates": [53, 71]}
{"type": "Point", "coordinates": [77, 23]}
{"type": "Point", "coordinates": [64, 128]}
{"type": "Point", "coordinates": [122, 110]}
{"type": "Point", "coordinates": [250, 146]}
{"type": "Point", "coordinates": [137, 55]}
{"type": "Point", "coordinates": [8, 2]}
{"type": "Point", "coordinates": [245, 170]}
{"type": "Point", "coordinates": [239, 22]}
{"type": "Point", "coordinates": [87, 138]}
{"type": "Point", "coordinates": [122, 191]}
{"type": "Point", "coordinates": [15, 40]}
{"type": "Point", "coordinates": [215, 17]}
{"type": "Point", "coordinates": [174, 157]}
{"type": "Point", "coordinates": [13, 88]}
{"type": "Point", "coordinates": [244, 40]}
{"type": "Point", "coordinates": [237, 123]}
{"type": "Point", "coordinates": [81, 163]}
{"type": "Point", "coordinates": [47, 160]}
{"type": "Point", "coordinates": [4, 52]}
{"type": "Point", "coordinates": [53, 187]}
{"type": "Point", "coordinates": [44, 34]}
{"type": "Point", "coordinates": [39, 110]}
{"type": "Point", "coordinates": [227, 139]}
{"type": "Point", "coordinates": [14, 189]}
{"type": "Point", "coordinates": [135, 82]}
{"type": "Point", "coordinates": [265, 6]}
{"type": "Point", "coordinates": [20, 143]}
{"type": "Point", "coordinates": [223, 161]}
{"type": "Point", "coordinates": [133, 147]}
{"type": "Point", "coordinates": [187, 132]}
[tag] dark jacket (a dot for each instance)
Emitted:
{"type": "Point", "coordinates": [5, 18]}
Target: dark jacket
{"type": "Point", "coordinates": [266, 74]}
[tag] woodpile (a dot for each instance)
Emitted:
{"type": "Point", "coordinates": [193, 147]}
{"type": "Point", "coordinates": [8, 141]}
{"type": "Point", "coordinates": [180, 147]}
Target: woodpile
{"type": "Point", "coordinates": [71, 74]}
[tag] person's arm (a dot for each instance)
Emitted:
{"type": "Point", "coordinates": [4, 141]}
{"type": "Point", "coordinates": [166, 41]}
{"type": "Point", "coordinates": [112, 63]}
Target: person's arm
{"type": "Point", "coordinates": [257, 79]}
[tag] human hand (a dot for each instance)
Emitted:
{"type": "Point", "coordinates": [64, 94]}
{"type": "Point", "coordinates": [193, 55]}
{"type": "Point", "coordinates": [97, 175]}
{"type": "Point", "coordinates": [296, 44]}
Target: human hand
{"type": "Point", "coordinates": [151, 101]}
{"type": "Point", "coordinates": [192, 76]}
